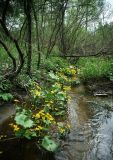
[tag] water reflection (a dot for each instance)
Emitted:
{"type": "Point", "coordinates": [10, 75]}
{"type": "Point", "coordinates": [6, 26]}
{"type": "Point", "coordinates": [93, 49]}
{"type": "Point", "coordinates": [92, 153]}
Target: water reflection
{"type": "Point", "coordinates": [91, 136]}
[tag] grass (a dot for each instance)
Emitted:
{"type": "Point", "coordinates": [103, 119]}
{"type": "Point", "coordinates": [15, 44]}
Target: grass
{"type": "Point", "coordinates": [95, 67]}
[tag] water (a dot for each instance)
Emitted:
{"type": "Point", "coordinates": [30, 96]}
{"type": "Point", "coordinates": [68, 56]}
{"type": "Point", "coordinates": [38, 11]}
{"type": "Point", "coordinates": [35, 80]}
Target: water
{"type": "Point", "coordinates": [90, 138]}
{"type": "Point", "coordinates": [6, 111]}
{"type": "Point", "coordinates": [14, 148]}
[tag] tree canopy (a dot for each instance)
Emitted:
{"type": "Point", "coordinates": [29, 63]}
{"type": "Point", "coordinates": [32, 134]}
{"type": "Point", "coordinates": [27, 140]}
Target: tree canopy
{"type": "Point", "coordinates": [44, 27]}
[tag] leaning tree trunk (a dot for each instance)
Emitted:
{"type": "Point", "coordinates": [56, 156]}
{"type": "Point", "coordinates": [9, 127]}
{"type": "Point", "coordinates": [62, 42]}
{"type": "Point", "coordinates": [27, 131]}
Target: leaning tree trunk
{"type": "Point", "coordinates": [17, 69]}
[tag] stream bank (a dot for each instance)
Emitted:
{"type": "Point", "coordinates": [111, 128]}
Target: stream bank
{"type": "Point", "coordinates": [90, 137]}
{"type": "Point", "coordinates": [101, 87]}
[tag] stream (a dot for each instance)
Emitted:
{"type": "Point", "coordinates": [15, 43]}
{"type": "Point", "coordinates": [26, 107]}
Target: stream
{"type": "Point", "coordinates": [90, 137]}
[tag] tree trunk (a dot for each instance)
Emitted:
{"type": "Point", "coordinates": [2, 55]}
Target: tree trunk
{"type": "Point", "coordinates": [27, 10]}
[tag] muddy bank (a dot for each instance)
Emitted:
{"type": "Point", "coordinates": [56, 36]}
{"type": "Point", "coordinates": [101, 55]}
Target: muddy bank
{"type": "Point", "coordinates": [14, 148]}
{"type": "Point", "coordinates": [20, 149]}
{"type": "Point", "coordinates": [7, 109]}
{"type": "Point", "coordinates": [102, 87]}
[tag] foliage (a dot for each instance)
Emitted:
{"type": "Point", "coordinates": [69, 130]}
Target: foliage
{"type": "Point", "coordinates": [46, 110]}
{"type": "Point", "coordinates": [71, 71]}
{"type": "Point", "coordinates": [52, 98]}
{"type": "Point", "coordinates": [6, 96]}
{"type": "Point", "coordinates": [30, 31]}
{"type": "Point", "coordinates": [34, 125]}
{"type": "Point", "coordinates": [5, 84]}
{"type": "Point", "coordinates": [22, 80]}
{"type": "Point", "coordinates": [54, 63]}
{"type": "Point", "coordinates": [29, 124]}
{"type": "Point", "coordinates": [94, 67]}
{"type": "Point", "coordinates": [49, 144]}
{"type": "Point", "coordinates": [41, 33]}
{"type": "Point", "coordinates": [24, 119]}
{"type": "Point", "coordinates": [63, 129]}
{"type": "Point", "coordinates": [65, 75]}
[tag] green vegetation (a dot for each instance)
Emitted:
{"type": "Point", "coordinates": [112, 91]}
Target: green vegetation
{"type": "Point", "coordinates": [49, 144]}
{"type": "Point", "coordinates": [45, 110]}
{"type": "Point", "coordinates": [38, 43]}
{"type": "Point", "coordinates": [6, 96]}
{"type": "Point", "coordinates": [95, 68]}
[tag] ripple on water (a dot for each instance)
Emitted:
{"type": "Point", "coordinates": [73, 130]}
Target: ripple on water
{"type": "Point", "coordinates": [91, 136]}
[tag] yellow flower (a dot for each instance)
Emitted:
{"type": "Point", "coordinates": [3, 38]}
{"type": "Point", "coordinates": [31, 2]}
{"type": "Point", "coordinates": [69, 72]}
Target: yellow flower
{"type": "Point", "coordinates": [54, 122]}
{"type": "Point", "coordinates": [69, 98]}
{"type": "Point", "coordinates": [43, 118]}
{"type": "Point", "coordinates": [58, 84]}
{"type": "Point", "coordinates": [15, 127]}
{"type": "Point", "coordinates": [38, 87]}
{"type": "Point", "coordinates": [49, 117]}
{"type": "Point", "coordinates": [73, 71]}
{"type": "Point", "coordinates": [68, 126]}
{"type": "Point", "coordinates": [37, 93]}
{"type": "Point", "coordinates": [61, 130]}
{"type": "Point", "coordinates": [66, 88]}
{"type": "Point", "coordinates": [52, 92]}
{"type": "Point", "coordinates": [38, 128]}
{"type": "Point", "coordinates": [49, 103]}
{"type": "Point", "coordinates": [37, 115]}
{"type": "Point", "coordinates": [42, 112]}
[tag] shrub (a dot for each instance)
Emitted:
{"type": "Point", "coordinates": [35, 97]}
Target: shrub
{"type": "Point", "coordinates": [54, 63]}
{"type": "Point", "coordinates": [94, 67]}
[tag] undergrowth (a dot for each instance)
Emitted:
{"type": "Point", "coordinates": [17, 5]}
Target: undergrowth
{"type": "Point", "coordinates": [44, 112]}
{"type": "Point", "coordinates": [95, 67]}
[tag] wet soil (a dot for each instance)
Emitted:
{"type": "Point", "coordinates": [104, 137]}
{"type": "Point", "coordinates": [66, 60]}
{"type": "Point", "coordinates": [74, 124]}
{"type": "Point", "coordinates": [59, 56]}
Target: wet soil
{"type": "Point", "coordinates": [101, 87]}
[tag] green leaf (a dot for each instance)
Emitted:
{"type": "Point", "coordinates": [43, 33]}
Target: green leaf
{"type": "Point", "coordinates": [6, 96]}
{"type": "Point", "coordinates": [60, 96]}
{"type": "Point", "coordinates": [46, 109]}
{"type": "Point", "coordinates": [20, 133]}
{"type": "Point", "coordinates": [22, 119]}
{"type": "Point", "coordinates": [47, 122]}
{"type": "Point", "coordinates": [49, 144]}
{"type": "Point", "coordinates": [28, 134]}
{"type": "Point", "coordinates": [53, 76]}
{"type": "Point", "coordinates": [60, 113]}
